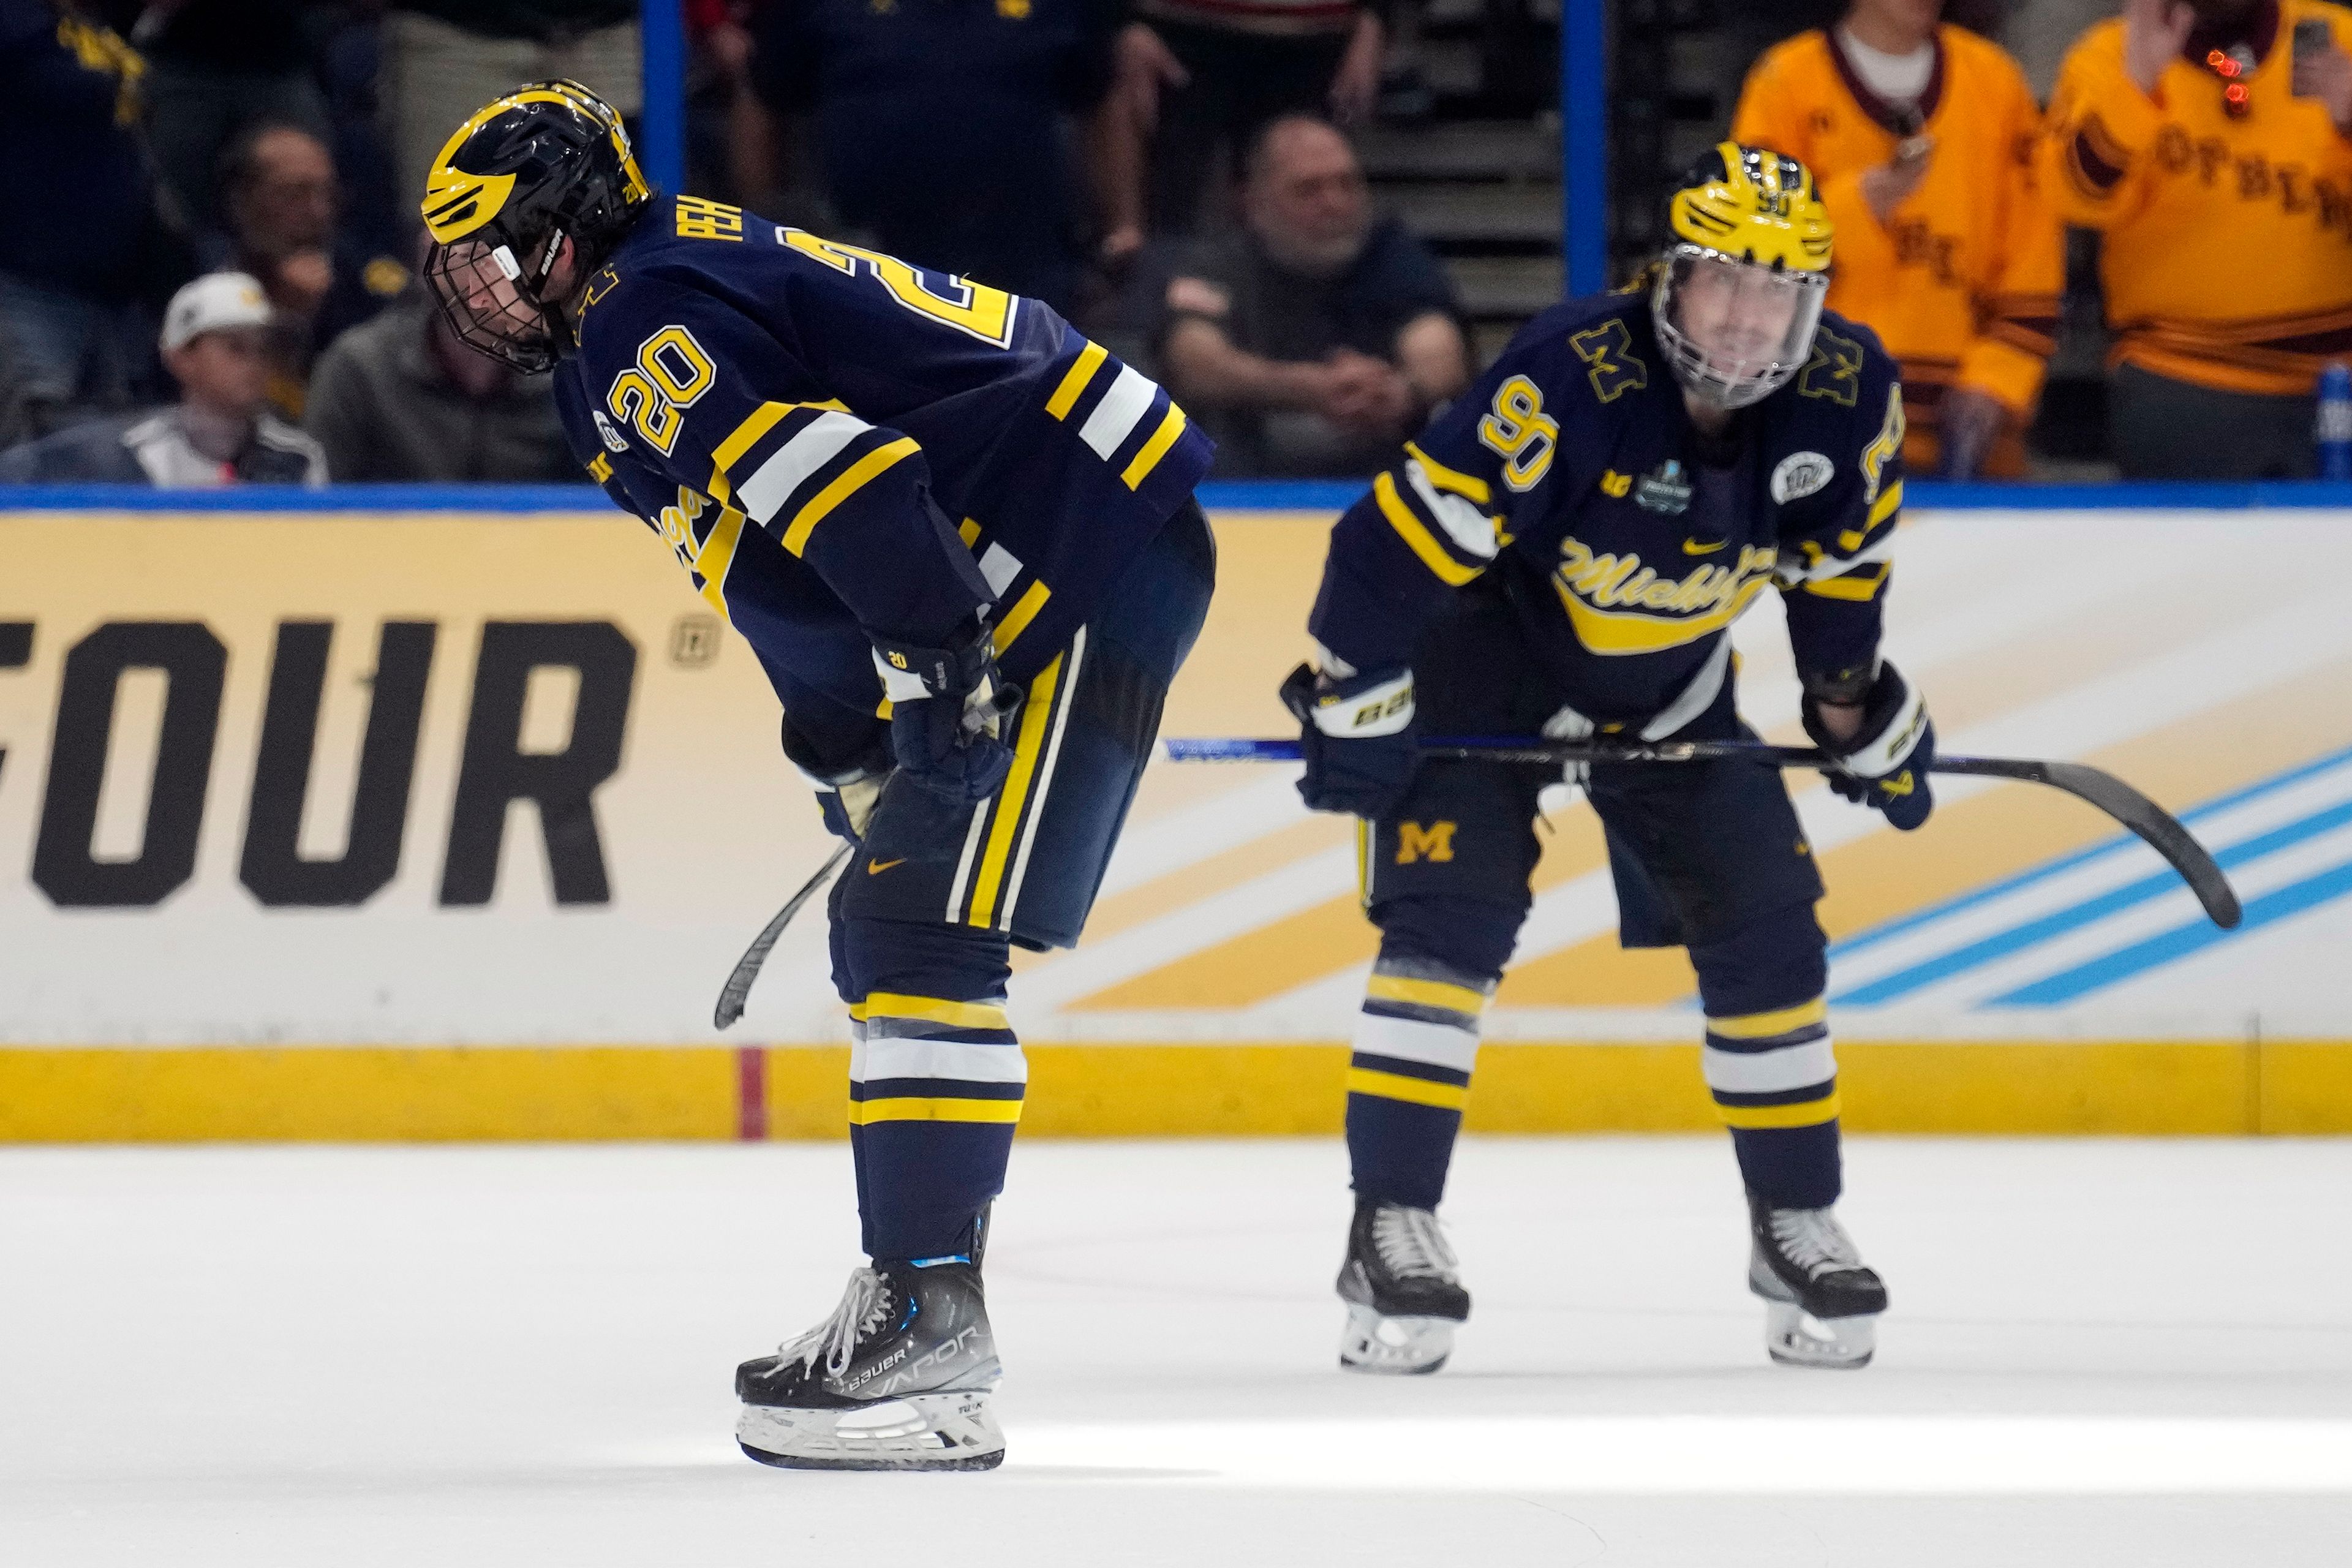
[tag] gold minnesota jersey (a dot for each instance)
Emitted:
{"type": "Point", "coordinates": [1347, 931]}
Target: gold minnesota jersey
{"type": "Point", "coordinates": [1962, 286]}
{"type": "Point", "coordinates": [2228, 260]}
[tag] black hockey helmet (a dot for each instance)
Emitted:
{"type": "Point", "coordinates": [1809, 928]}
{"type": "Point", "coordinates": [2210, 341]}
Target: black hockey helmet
{"type": "Point", "coordinates": [546, 163]}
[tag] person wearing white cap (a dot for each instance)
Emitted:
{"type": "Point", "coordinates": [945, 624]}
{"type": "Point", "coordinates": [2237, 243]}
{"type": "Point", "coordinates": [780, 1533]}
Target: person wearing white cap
{"type": "Point", "coordinates": [219, 433]}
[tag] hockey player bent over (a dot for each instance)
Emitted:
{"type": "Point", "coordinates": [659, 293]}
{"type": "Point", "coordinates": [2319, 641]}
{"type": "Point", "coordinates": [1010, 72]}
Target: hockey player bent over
{"type": "Point", "coordinates": [1564, 553]}
{"type": "Point", "coordinates": [963, 541]}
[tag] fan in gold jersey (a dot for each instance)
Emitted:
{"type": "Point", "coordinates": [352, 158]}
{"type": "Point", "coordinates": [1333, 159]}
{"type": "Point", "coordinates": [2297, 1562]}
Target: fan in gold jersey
{"type": "Point", "coordinates": [2211, 143]}
{"type": "Point", "coordinates": [1921, 134]}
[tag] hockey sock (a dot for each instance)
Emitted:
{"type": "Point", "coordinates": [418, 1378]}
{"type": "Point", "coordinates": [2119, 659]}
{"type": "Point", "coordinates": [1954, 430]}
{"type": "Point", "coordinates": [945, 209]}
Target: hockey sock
{"type": "Point", "coordinates": [1785, 1131]}
{"type": "Point", "coordinates": [1767, 1057]}
{"type": "Point", "coordinates": [1409, 1078]}
{"type": "Point", "coordinates": [936, 1081]}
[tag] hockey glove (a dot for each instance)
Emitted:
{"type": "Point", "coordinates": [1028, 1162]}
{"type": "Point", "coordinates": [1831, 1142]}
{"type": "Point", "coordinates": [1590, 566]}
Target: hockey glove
{"type": "Point", "coordinates": [1884, 764]}
{"type": "Point", "coordinates": [1356, 735]}
{"type": "Point", "coordinates": [948, 713]}
{"type": "Point", "coordinates": [846, 791]}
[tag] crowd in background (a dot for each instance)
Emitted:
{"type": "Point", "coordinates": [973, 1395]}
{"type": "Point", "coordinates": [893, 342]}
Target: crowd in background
{"type": "Point", "coordinates": [211, 274]}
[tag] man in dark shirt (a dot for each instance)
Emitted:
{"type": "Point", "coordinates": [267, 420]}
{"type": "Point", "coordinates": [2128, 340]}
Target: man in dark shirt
{"type": "Point", "coordinates": [1319, 337]}
{"type": "Point", "coordinates": [941, 126]}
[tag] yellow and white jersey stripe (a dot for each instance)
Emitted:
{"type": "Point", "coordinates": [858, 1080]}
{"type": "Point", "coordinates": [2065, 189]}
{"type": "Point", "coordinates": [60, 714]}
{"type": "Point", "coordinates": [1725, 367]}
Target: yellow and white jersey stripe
{"type": "Point", "coordinates": [793, 465]}
{"type": "Point", "coordinates": [1122, 416]}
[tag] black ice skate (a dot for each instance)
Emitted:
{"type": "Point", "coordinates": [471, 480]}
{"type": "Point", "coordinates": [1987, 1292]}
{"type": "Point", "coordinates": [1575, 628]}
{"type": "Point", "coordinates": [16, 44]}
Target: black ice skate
{"type": "Point", "coordinates": [897, 1379]}
{"type": "Point", "coordinates": [1404, 1295]}
{"type": "Point", "coordinates": [1821, 1303]}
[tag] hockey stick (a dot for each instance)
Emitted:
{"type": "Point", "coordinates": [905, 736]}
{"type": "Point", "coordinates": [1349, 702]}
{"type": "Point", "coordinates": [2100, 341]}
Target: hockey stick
{"type": "Point", "coordinates": [1006, 699]}
{"type": "Point", "coordinates": [2155, 827]}
{"type": "Point", "coordinates": [738, 989]}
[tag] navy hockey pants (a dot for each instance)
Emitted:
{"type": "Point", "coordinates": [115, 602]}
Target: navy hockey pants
{"type": "Point", "coordinates": [925, 915]}
{"type": "Point", "coordinates": [1704, 856]}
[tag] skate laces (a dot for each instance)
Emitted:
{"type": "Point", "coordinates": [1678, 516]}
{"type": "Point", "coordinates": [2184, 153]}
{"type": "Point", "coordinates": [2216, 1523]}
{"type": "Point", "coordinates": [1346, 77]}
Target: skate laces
{"type": "Point", "coordinates": [1410, 1244]}
{"type": "Point", "coordinates": [1813, 1240]}
{"type": "Point", "coordinates": [864, 1307]}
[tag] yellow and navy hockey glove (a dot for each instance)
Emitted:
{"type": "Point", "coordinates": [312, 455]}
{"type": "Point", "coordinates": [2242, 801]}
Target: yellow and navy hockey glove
{"type": "Point", "coordinates": [1356, 735]}
{"type": "Point", "coordinates": [948, 711]}
{"type": "Point", "coordinates": [1884, 764]}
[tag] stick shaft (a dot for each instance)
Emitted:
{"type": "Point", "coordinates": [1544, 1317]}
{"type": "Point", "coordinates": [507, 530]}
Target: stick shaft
{"type": "Point", "coordinates": [738, 989]}
{"type": "Point", "coordinates": [2128, 807]}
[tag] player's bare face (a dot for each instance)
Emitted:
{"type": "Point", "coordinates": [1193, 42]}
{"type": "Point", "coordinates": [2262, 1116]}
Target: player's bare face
{"type": "Point", "coordinates": [1737, 315]}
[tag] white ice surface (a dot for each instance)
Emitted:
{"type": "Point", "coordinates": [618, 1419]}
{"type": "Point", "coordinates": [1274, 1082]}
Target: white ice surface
{"type": "Point", "coordinates": [2101, 1353]}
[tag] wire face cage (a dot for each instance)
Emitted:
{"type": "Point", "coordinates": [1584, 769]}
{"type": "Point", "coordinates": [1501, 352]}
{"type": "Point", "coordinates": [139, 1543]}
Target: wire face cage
{"type": "Point", "coordinates": [479, 290]}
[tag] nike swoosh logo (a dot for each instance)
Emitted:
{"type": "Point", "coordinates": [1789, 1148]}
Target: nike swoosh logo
{"type": "Point", "coordinates": [875, 867]}
{"type": "Point", "coordinates": [1692, 547]}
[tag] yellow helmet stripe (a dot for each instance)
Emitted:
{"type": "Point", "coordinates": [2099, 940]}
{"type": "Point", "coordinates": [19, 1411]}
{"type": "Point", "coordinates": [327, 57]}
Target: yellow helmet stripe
{"type": "Point", "coordinates": [1763, 209]}
{"type": "Point", "coordinates": [458, 201]}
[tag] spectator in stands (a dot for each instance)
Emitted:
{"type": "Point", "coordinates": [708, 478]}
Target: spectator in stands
{"type": "Point", "coordinates": [2213, 144]}
{"type": "Point", "coordinates": [221, 431]}
{"type": "Point", "coordinates": [215, 67]}
{"type": "Point", "coordinates": [1315, 340]}
{"type": "Point", "coordinates": [82, 225]}
{"type": "Point", "coordinates": [941, 128]}
{"type": "Point", "coordinates": [401, 399]}
{"type": "Point", "coordinates": [1200, 78]}
{"type": "Point", "coordinates": [731, 134]}
{"type": "Point", "coordinates": [1922, 136]}
{"type": "Point", "coordinates": [281, 201]}
{"type": "Point", "coordinates": [443, 59]}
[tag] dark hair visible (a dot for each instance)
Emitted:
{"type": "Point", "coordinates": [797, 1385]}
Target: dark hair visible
{"type": "Point", "coordinates": [240, 160]}
{"type": "Point", "coordinates": [1261, 145]}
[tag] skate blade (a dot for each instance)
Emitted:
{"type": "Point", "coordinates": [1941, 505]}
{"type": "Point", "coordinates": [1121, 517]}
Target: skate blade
{"type": "Point", "coordinates": [946, 1431]}
{"type": "Point", "coordinates": [1794, 1337]}
{"type": "Point", "coordinates": [1395, 1347]}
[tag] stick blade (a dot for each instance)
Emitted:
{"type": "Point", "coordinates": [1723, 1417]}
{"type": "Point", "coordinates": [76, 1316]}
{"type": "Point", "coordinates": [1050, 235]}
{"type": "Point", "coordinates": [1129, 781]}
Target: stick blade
{"type": "Point", "coordinates": [2158, 828]}
{"type": "Point", "coordinates": [737, 991]}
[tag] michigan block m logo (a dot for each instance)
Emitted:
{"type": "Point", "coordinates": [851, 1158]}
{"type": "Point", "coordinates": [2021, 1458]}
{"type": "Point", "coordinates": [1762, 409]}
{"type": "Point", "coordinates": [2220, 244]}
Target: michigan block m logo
{"type": "Point", "coordinates": [1414, 842]}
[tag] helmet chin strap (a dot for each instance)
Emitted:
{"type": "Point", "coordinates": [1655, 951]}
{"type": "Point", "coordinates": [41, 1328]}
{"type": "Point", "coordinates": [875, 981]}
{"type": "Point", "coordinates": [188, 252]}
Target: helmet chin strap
{"type": "Point", "coordinates": [534, 290]}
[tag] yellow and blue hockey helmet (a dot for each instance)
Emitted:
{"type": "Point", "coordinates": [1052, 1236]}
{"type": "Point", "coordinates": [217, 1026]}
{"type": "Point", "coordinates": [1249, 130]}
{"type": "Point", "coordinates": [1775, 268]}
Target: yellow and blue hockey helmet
{"type": "Point", "coordinates": [1738, 292]}
{"type": "Point", "coordinates": [546, 163]}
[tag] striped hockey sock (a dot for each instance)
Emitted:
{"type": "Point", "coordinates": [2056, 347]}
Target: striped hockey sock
{"type": "Point", "coordinates": [1409, 1078]}
{"type": "Point", "coordinates": [1774, 1078]}
{"type": "Point", "coordinates": [935, 1091]}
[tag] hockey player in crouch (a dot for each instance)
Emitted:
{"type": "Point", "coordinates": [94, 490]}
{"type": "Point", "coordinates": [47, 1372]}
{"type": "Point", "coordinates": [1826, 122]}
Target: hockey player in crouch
{"type": "Point", "coordinates": [1564, 551]}
{"type": "Point", "coordinates": [916, 496]}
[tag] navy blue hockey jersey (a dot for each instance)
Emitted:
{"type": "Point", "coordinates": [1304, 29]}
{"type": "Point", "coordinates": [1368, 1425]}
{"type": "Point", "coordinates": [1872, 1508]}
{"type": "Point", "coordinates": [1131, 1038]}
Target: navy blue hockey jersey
{"type": "Point", "coordinates": [1629, 542]}
{"type": "Point", "coordinates": [837, 445]}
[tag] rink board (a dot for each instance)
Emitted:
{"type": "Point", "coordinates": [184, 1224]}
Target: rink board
{"type": "Point", "coordinates": [272, 862]}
